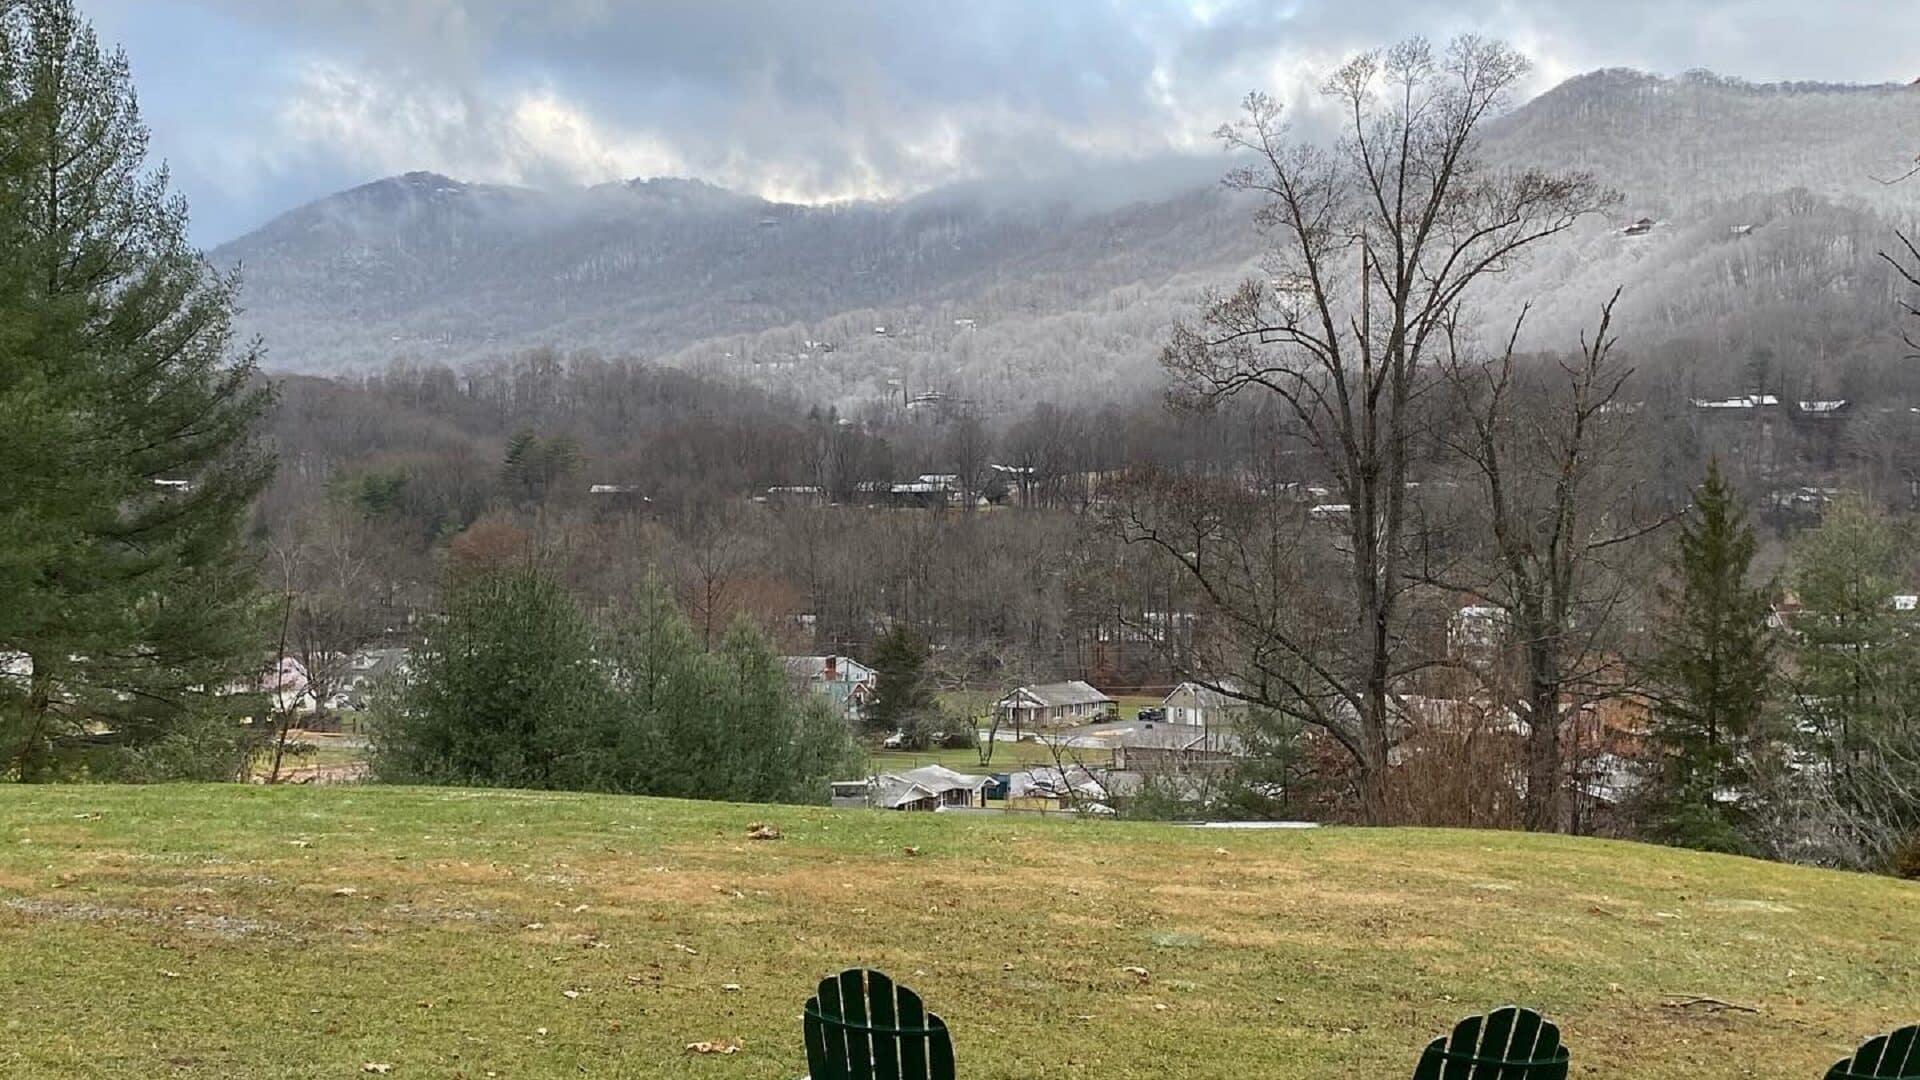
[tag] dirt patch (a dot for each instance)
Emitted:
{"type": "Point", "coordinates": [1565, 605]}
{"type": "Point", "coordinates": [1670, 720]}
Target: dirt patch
{"type": "Point", "coordinates": [225, 926]}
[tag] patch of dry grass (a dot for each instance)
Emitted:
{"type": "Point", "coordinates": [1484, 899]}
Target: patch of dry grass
{"type": "Point", "coordinates": [303, 932]}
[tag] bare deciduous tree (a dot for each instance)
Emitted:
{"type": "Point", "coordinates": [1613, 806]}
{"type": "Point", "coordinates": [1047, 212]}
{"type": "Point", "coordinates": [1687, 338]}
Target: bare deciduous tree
{"type": "Point", "coordinates": [1551, 450]}
{"type": "Point", "coordinates": [1374, 247]}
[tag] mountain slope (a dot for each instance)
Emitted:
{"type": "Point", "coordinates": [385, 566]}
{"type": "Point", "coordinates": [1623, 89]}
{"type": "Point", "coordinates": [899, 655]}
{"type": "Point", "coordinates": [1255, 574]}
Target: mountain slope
{"type": "Point", "coordinates": [1768, 216]}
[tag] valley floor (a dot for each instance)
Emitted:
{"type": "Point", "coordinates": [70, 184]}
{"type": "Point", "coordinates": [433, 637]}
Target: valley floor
{"type": "Point", "coordinates": [313, 932]}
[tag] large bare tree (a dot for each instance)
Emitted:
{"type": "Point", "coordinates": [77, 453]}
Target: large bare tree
{"type": "Point", "coordinates": [1550, 450]}
{"type": "Point", "coordinates": [1374, 245]}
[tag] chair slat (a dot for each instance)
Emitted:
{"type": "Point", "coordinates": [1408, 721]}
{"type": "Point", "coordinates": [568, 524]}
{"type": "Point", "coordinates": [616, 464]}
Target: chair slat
{"type": "Point", "coordinates": [913, 1048]}
{"type": "Point", "coordinates": [1494, 1036]}
{"type": "Point", "coordinates": [1432, 1060]}
{"type": "Point", "coordinates": [853, 1008]}
{"type": "Point", "coordinates": [940, 1051]}
{"type": "Point", "coordinates": [836, 1036]}
{"type": "Point", "coordinates": [1525, 1031]}
{"type": "Point", "coordinates": [818, 1062]}
{"type": "Point", "coordinates": [1466, 1040]}
{"type": "Point", "coordinates": [886, 1049]}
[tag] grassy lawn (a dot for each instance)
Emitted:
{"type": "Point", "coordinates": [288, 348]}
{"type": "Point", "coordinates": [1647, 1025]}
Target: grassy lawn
{"type": "Point", "coordinates": [1006, 756]}
{"type": "Point", "coordinates": [306, 932]}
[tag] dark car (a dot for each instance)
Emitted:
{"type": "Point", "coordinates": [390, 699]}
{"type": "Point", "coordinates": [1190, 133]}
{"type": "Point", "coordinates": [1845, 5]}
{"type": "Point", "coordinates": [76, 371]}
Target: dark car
{"type": "Point", "coordinates": [1148, 716]}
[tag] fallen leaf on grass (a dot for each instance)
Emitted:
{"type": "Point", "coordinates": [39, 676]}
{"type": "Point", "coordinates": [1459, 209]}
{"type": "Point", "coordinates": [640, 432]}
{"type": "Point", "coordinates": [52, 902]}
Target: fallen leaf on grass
{"type": "Point", "coordinates": [170, 974]}
{"type": "Point", "coordinates": [685, 949]}
{"type": "Point", "coordinates": [729, 1046]}
{"type": "Point", "coordinates": [569, 994]}
{"type": "Point", "coordinates": [346, 890]}
{"type": "Point", "coordinates": [380, 1067]}
{"type": "Point", "coordinates": [1137, 972]}
{"type": "Point", "coordinates": [729, 987]}
{"type": "Point", "coordinates": [760, 830]}
{"type": "Point", "coordinates": [910, 850]}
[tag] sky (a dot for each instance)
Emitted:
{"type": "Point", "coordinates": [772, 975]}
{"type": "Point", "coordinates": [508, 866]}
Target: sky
{"type": "Point", "coordinates": [259, 106]}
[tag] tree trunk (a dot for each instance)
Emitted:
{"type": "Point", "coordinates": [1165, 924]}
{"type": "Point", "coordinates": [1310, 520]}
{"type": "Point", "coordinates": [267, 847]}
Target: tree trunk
{"type": "Point", "coordinates": [1544, 773]}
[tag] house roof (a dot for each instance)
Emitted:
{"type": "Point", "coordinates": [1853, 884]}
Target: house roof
{"type": "Point", "coordinates": [894, 790]}
{"type": "Point", "coordinates": [1050, 782]}
{"type": "Point", "coordinates": [940, 778]}
{"type": "Point", "coordinates": [846, 668]}
{"type": "Point", "coordinates": [1182, 738]}
{"type": "Point", "coordinates": [1058, 695]}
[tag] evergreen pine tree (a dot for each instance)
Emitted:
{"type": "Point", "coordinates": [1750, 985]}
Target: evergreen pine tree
{"type": "Point", "coordinates": [901, 691]}
{"type": "Point", "coordinates": [127, 595]}
{"type": "Point", "coordinates": [1713, 665]}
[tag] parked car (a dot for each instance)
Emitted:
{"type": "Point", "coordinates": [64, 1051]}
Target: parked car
{"type": "Point", "coordinates": [894, 741]}
{"type": "Point", "coordinates": [1149, 715]}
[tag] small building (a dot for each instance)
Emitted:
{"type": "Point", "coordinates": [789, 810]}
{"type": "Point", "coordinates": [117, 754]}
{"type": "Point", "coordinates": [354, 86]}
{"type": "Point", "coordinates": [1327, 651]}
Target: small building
{"type": "Point", "coordinates": [1059, 704]}
{"type": "Point", "coordinates": [846, 681]}
{"type": "Point", "coordinates": [1158, 749]}
{"type": "Point", "coordinates": [1826, 410]}
{"type": "Point", "coordinates": [1640, 228]}
{"type": "Point", "coordinates": [1742, 403]}
{"type": "Point", "coordinates": [1045, 787]}
{"type": "Point", "coordinates": [1194, 705]}
{"type": "Point", "coordinates": [927, 788]}
{"type": "Point", "coordinates": [1476, 631]}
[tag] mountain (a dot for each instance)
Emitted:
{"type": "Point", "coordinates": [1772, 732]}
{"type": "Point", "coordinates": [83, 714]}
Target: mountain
{"type": "Point", "coordinates": [1766, 208]}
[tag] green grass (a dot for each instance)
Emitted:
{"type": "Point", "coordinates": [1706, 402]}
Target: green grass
{"type": "Point", "coordinates": [304, 932]}
{"type": "Point", "coordinates": [1006, 756]}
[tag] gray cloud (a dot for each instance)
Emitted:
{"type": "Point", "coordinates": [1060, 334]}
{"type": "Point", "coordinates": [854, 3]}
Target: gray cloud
{"type": "Point", "coordinates": [260, 105]}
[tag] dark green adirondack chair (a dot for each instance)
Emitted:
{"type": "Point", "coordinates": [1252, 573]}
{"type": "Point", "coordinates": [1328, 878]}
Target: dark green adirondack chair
{"type": "Point", "coordinates": [860, 1026]}
{"type": "Point", "coordinates": [1894, 1056]}
{"type": "Point", "coordinates": [1506, 1044]}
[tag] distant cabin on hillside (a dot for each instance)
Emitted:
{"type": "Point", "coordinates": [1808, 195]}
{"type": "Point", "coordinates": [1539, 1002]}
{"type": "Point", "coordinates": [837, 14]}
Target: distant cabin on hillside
{"type": "Point", "coordinates": [1061, 704]}
{"type": "Point", "coordinates": [1640, 228]}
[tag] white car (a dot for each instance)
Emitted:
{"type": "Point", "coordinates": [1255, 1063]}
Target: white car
{"type": "Point", "coordinates": [894, 741]}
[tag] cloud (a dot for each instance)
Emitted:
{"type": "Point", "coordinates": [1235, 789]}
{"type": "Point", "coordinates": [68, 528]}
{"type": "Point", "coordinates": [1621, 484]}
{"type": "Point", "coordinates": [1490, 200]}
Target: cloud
{"type": "Point", "coordinates": [835, 99]}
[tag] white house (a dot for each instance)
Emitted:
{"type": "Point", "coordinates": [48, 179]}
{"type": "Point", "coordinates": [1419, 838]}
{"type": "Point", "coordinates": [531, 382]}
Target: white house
{"type": "Point", "coordinates": [1194, 705]}
{"type": "Point", "coordinates": [1053, 705]}
{"type": "Point", "coordinates": [847, 681]}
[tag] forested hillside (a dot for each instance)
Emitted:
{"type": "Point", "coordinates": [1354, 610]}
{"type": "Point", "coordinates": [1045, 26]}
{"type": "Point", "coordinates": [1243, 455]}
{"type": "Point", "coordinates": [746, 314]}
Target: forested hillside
{"type": "Point", "coordinates": [1765, 206]}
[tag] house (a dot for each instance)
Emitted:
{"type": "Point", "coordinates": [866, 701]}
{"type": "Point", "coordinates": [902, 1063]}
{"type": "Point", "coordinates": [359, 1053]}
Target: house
{"type": "Point", "coordinates": [1640, 228]}
{"type": "Point", "coordinates": [1834, 409]}
{"type": "Point", "coordinates": [1174, 748]}
{"type": "Point", "coordinates": [285, 683]}
{"type": "Point", "coordinates": [1744, 401]}
{"type": "Point", "coordinates": [848, 682]}
{"type": "Point", "coordinates": [366, 669]}
{"type": "Point", "coordinates": [1053, 705]}
{"type": "Point", "coordinates": [1044, 787]}
{"type": "Point", "coordinates": [927, 788]}
{"type": "Point", "coordinates": [1194, 705]}
{"type": "Point", "coordinates": [795, 495]}
{"type": "Point", "coordinates": [1476, 631]}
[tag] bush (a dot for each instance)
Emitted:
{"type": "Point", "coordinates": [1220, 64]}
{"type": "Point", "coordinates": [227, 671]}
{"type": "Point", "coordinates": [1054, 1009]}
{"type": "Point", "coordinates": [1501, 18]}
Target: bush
{"type": "Point", "coordinates": [514, 687]}
{"type": "Point", "coordinates": [1905, 861]}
